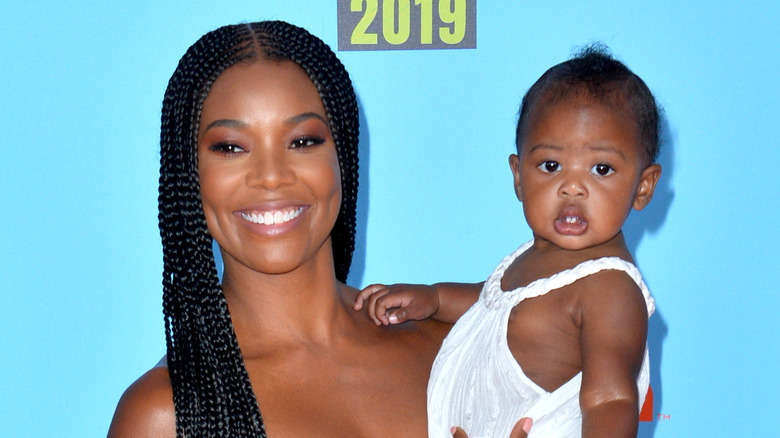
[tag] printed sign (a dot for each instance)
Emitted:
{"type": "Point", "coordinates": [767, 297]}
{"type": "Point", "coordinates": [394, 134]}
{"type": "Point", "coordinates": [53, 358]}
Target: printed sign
{"type": "Point", "coordinates": [407, 24]}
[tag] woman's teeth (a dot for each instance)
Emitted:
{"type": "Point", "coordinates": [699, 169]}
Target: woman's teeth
{"type": "Point", "coordinates": [272, 217]}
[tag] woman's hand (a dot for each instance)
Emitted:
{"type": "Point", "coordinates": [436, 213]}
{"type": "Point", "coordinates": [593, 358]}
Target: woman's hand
{"type": "Point", "coordinates": [521, 430]}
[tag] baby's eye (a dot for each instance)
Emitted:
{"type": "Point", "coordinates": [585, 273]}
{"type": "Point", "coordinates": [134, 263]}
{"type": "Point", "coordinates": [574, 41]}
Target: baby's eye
{"type": "Point", "coordinates": [226, 148]}
{"type": "Point", "coordinates": [306, 142]}
{"type": "Point", "coordinates": [549, 166]}
{"type": "Point", "coordinates": [602, 169]}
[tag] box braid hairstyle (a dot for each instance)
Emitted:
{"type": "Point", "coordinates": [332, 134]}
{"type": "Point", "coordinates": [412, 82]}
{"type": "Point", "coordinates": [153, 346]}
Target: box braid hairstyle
{"type": "Point", "coordinates": [212, 393]}
{"type": "Point", "coordinates": [595, 74]}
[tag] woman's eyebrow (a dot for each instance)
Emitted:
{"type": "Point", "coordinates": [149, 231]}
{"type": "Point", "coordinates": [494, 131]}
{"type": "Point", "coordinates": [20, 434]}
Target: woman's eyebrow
{"type": "Point", "coordinates": [306, 116]}
{"type": "Point", "coordinates": [231, 123]}
{"type": "Point", "coordinates": [225, 123]}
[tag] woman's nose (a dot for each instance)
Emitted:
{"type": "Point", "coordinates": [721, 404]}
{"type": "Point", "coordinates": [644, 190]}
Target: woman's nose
{"type": "Point", "coordinates": [269, 170]}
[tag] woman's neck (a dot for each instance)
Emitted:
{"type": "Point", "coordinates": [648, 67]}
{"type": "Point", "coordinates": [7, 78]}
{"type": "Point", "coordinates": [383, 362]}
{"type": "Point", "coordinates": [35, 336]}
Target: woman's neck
{"type": "Point", "coordinates": [305, 305]}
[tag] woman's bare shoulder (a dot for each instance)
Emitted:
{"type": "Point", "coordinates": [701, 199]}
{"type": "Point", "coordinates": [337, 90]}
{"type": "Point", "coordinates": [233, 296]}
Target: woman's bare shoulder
{"type": "Point", "coordinates": [146, 408]}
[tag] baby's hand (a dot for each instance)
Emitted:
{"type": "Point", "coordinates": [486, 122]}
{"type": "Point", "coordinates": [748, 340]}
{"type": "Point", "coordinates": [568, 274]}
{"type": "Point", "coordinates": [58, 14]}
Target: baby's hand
{"type": "Point", "coordinates": [398, 303]}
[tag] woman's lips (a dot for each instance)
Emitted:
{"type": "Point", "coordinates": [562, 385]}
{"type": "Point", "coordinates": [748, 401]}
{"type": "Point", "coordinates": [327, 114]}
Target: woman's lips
{"type": "Point", "coordinates": [271, 220]}
{"type": "Point", "coordinates": [272, 217]}
{"type": "Point", "coordinates": [570, 222]}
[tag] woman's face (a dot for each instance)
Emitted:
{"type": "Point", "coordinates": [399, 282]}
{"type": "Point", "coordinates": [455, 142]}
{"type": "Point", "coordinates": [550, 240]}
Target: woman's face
{"type": "Point", "coordinates": [269, 172]}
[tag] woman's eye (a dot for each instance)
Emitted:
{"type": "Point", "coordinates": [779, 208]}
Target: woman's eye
{"type": "Point", "coordinates": [306, 142]}
{"type": "Point", "coordinates": [602, 169]}
{"type": "Point", "coordinates": [226, 148]}
{"type": "Point", "coordinates": [549, 166]}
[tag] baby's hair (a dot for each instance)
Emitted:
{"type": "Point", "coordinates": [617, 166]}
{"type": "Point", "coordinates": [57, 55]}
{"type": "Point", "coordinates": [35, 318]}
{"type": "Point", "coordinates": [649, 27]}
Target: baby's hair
{"type": "Point", "coordinates": [593, 73]}
{"type": "Point", "coordinates": [211, 389]}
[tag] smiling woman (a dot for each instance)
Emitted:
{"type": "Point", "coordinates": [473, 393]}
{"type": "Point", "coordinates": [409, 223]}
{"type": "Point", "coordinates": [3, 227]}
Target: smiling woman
{"type": "Point", "coordinates": [259, 152]}
{"type": "Point", "coordinates": [269, 173]}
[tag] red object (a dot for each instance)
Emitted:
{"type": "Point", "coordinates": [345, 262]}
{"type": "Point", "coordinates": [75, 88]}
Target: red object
{"type": "Point", "coordinates": [646, 414]}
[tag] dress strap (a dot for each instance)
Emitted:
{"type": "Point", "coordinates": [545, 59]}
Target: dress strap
{"type": "Point", "coordinates": [495, 297]}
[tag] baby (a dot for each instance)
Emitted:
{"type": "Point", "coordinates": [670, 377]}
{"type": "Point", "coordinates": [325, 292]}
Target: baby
{"type": "Point", "coordinates": [558, 333]}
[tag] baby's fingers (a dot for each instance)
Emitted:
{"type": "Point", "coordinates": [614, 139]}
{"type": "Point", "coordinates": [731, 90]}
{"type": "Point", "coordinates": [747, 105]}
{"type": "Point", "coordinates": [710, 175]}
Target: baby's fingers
{"type": "Point", "coordinates": [397, 316]}
{"type": "Point", "coordinates": [364, 294]}
{"type": "Point", "coordinates": [377, 306]}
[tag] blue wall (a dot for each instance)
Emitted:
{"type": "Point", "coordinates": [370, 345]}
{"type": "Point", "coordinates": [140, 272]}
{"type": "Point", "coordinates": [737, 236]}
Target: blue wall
{"type": "Point", "coordinates": [81, 262]}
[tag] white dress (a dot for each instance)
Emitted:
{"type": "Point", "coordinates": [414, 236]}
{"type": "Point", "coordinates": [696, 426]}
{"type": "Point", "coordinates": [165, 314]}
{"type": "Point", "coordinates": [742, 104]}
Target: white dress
{"type": "Point", "coordinates": [478, 385]}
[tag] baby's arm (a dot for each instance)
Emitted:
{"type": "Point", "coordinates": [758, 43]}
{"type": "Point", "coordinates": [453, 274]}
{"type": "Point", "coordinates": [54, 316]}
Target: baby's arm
{"type": "Point", "coordinates": [397, 303]}
{"type": "Point", "coordinates": [613, 321]}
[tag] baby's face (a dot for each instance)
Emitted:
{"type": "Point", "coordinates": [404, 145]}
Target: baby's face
{"type": "Point", "coordinates": [580, 171]}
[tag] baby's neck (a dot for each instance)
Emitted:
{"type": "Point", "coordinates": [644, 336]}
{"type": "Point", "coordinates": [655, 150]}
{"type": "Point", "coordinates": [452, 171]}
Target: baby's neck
{"type": "Point", "coordinates": [614, 247]}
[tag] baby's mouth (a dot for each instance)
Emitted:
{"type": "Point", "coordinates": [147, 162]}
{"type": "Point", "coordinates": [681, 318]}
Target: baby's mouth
{"type": "Point", "coordinates": [571, 222]}
{"type": "Point", "coordinates": [273, 217]}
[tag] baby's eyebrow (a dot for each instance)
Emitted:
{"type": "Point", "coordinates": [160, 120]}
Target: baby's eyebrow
{"type": "Point", "coordinates": [544, 146]}
{"type": "Point", "coordinates": [608, 149]}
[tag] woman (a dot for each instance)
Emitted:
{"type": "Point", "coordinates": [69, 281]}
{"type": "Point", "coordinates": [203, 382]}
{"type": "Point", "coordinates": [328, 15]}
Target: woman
{"type": "Point", "coordinates": [259, 152]}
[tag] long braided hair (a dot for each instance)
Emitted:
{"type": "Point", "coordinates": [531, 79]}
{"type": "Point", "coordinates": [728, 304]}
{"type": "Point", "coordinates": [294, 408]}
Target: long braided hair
{"type": "Point", "coordinates": [212, 394]}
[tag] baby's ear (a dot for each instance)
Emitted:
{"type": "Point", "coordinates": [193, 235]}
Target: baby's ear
{"type": "Point", "coordinates": [646, 188]}
{"type": "Point", "coordinates": [514, 164]}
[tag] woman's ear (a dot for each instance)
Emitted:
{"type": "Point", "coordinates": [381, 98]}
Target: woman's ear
{"type": "Point", "coordinates": [646, 187]}
{"type": "Point", "coordinates": [514, 164]}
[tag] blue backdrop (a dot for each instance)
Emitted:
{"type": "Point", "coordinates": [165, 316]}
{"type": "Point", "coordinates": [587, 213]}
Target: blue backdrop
{"type": "Point", "coordinates": [81, 264]}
